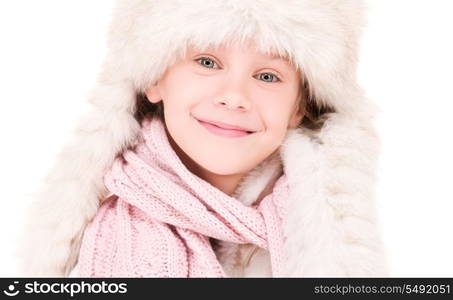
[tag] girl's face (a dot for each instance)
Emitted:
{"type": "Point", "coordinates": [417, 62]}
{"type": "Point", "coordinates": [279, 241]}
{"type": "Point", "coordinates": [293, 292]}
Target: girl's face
{"type": "Point", "coordinates": [235, 86]}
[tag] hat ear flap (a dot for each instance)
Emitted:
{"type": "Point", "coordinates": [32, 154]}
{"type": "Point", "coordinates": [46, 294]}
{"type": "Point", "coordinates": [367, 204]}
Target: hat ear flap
{"type": "Point", "coordinates": [71, 192]}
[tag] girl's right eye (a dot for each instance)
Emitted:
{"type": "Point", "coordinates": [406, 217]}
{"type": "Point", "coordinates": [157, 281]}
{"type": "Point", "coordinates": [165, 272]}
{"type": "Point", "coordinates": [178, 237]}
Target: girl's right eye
{"type": "Point", "coordinates": [206, 62]}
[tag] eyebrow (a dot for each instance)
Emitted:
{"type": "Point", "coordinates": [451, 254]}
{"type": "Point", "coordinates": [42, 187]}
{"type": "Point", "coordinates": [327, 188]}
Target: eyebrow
{"type": "Point", "coordinates": [278, 58]}
{"type": "Point", "coordinates": [275, 57]}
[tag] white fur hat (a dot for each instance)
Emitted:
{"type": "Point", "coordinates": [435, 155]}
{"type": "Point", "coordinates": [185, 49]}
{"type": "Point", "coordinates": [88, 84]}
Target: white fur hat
{"type": "Point", "coordinates": [146, 36]}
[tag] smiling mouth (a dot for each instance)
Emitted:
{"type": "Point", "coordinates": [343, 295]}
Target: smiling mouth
{"type": "Point", "coordinates": [214, 129]}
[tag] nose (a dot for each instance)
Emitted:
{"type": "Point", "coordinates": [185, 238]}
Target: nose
{"type": "Point", "coordinates": [233, 104]}
{"type": "Point", "coordinates": [234, 98]}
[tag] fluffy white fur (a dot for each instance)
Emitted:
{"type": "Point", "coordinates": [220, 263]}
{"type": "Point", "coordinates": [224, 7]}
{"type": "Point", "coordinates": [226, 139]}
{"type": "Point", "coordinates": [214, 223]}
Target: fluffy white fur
{"type": "Point", "coordinates": [331, 226]}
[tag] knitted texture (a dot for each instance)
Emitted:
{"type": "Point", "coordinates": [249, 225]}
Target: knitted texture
{"type": "Point", "coordinates": [160, 223]}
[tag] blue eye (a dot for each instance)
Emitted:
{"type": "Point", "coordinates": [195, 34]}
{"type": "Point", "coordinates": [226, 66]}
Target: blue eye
{"type": "Point", "coordinates": [271, 76]}
{"type": "Point", "coordinates": [206, 59]}
{"type": "Point", "coordinates": [209, 63]}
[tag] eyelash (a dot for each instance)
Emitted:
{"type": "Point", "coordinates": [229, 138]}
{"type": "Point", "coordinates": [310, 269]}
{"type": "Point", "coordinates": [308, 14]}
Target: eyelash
{"type": "Point", "coordinates": [207, 58]}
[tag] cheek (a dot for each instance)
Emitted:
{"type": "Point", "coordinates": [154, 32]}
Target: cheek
{"type": "Point", "coordinates": [275, 114]}
{"type": "Point", "coordinates": [274, 134]}
{"type": "Point", "coordinates": [184, 96]}
{"type": "Point", "coordinates": [275, 118]}
{"type": "Point", "coordinates": [183, 84]}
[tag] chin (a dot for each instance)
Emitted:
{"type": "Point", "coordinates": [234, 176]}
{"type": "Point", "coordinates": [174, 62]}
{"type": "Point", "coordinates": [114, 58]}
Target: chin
{"type": "Point", "coordinates": [226, 168]}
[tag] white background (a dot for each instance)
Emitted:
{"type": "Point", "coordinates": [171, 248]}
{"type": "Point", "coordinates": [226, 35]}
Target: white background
{"type": "Point", "coordinates": [51, 51]}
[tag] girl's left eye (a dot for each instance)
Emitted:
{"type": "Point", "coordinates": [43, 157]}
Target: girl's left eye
{"type": "Point", "coordinates": [270, 75]}
{"type": "Point", "coordinates": [211, 62]}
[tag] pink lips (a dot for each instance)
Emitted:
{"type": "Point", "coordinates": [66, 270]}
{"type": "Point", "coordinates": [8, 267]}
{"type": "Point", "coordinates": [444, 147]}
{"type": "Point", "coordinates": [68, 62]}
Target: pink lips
{"type": "Point", "coordinates": [223, 131]}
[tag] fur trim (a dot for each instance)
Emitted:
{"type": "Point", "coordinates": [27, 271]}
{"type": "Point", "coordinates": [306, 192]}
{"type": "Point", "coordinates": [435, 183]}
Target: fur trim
{"type": "Point", "coordinates": [70, 194]}
{"type": "Point", "coordinates": [332, 225]}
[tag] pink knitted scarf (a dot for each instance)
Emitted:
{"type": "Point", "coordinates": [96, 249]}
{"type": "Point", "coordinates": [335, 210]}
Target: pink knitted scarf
{"type": "Point", "coordinates": [161, 221]}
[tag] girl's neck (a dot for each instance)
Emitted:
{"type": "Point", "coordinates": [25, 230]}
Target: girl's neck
{"type": "Point", "coordinates": [225, 183]}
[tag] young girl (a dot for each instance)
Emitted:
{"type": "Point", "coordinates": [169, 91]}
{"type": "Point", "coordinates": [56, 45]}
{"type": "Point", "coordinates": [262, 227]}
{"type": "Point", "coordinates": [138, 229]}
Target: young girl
{"type": "Point", "coordinates": [227, 138]}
